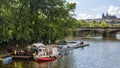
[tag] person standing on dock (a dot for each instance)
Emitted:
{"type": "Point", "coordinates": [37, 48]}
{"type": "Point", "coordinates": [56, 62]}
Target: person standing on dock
{"type": "Point", "coordinates": [15, 52]}
{"type": "Point", "coordinates": [29, 48]}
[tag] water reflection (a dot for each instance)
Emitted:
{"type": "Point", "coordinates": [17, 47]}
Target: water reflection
{"type": "Point", "coordinates": [100, 54]}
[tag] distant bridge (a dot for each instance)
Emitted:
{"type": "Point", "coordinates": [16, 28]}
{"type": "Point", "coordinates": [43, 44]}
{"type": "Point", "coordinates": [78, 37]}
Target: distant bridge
{"type": "Point", "coordinates": [105, 31]}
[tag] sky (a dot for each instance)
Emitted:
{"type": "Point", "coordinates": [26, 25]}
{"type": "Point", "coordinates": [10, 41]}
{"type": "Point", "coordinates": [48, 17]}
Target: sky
{"type": "Point", "coordinates": [92, 9]}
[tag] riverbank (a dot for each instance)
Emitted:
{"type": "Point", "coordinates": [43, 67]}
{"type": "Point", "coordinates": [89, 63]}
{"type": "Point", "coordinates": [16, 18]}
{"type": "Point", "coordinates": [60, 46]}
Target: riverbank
{"type": "Point", "coordinates": [3, 52]}
{"type": "Point", "coordinates": [6, 50]}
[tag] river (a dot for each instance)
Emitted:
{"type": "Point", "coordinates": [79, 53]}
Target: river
{"type": "Point", "coordinates": [102, 53]}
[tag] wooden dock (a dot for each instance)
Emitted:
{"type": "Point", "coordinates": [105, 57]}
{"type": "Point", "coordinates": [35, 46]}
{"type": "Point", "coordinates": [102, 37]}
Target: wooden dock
{"type": "Point", "coordinates": [81, 46]}
{"type": "Point", "coordinates": [63, 50]}
{"type": "Point", "coordinates": [22, 57]}
{"type": "Point", "coordinates": [5, 55]}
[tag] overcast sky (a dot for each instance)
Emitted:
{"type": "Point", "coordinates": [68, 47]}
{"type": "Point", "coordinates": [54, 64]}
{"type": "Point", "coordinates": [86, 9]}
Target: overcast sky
{"type": "Point", "coordinates": [90, 9]}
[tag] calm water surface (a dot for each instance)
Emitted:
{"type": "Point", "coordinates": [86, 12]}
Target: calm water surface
{"type": "Point", "coordinates": [102, 53]}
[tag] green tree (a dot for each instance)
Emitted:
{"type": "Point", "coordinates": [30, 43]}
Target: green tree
{"type": "Point", "coordinates": [102, 24]}
{"type": "Point", "coordinates": [27, 21]}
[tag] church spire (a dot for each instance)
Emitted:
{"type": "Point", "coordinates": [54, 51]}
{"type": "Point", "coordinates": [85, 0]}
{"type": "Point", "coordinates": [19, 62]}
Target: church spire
{"type": "Point", "coordinates": [107, 14]}
{"type": "Point", "coordinates": [103, 16]}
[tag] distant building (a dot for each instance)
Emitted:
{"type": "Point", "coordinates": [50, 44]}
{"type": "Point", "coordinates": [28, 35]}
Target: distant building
{"type": "Point", "coordinates": [111, 19]}
{"type": "Point", "coordinates": [108, 16]}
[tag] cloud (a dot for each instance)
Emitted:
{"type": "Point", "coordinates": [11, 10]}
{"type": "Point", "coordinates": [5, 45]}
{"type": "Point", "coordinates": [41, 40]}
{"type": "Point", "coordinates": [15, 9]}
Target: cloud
{"type": "Point", "coordinates": [99, 9]}
{"type": "Point", "coordinates": [95, 9]}
{"type": "Point", "coordinates": [119, 12]}
{"type": "Point", "coordinates": [73, 1]}
{"type": "Point", "coordinates": [113, 10]}
{"type": "Point", "coordinates": [98, 16]}
{"type": "Point", "coordinates": [87, 16]}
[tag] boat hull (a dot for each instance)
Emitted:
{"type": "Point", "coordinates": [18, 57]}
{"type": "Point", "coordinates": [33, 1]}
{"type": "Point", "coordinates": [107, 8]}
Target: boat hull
{"type": "Point", "coordinates": [43, 59]}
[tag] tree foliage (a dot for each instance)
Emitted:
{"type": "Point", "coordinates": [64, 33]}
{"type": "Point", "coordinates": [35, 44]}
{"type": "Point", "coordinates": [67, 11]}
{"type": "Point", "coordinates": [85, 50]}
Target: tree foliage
{"type": "Point", "coordinates": [27, 21]}
{"type": "Point", "coordinates": [83, 23]}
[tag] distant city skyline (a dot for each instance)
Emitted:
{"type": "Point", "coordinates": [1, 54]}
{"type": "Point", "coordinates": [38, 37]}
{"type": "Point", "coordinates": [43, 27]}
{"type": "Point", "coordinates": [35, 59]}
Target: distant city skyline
{"type": "Point", "coordinates": [92, 9]}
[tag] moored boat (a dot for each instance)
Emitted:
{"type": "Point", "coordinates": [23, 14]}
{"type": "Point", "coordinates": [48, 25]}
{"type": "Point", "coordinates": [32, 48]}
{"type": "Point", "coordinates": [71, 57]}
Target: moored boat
{"type": "Point", "coordinates": [44, 53]}
{"type": "Point", "coordinates": [45, 58]}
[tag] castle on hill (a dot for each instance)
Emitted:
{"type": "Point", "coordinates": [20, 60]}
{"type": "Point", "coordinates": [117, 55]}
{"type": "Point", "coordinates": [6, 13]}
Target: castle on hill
{"type": "Point", "coordinates": [108, 16]}
{"type": "Point", "coordinates": [111, 19]}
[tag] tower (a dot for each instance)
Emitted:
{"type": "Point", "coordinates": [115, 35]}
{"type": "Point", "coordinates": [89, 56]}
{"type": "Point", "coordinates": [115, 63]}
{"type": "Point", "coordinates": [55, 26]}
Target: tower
{"type": "Point", "coordinates": [103, 16]}
{"type": "Point", "coordinates": [107, 14]}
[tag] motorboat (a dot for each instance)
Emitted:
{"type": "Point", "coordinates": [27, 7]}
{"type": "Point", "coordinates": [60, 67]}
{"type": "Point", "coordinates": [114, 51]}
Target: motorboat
{"type": "Point", "coordinates": [43, 52]}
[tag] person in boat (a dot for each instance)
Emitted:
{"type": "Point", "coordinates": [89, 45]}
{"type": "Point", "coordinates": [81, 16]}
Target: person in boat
{"type": "Point", "coordinates": [36, 51]}
{"type": "Point", "coordinates": [81, 43]}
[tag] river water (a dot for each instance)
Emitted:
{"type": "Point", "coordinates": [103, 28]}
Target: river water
{"type": "Point", "coordinates": [102, 53]}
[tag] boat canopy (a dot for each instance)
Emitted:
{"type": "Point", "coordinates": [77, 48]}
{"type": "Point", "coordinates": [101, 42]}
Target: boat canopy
{"type": "Point", "coordinates": [38, 44]}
